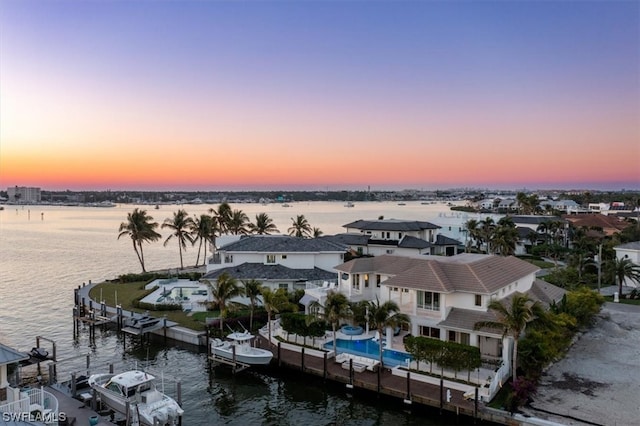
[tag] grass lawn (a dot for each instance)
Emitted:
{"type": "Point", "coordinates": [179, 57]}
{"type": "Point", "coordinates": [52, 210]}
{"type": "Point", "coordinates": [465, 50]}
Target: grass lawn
{"type": "Point", "coordinates": [623, 300]}
{"type": "Point", "coordinates": [539, 263]}
{"type": "Point", "coordinates": [128, 292]}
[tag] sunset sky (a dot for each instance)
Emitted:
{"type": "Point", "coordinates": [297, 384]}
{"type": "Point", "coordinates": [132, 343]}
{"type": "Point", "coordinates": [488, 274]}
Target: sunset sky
{"type": "Point", "coordinates": [222, 95]}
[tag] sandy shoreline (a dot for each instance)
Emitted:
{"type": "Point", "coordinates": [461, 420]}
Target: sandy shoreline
{"type": "Point", "coordinates": [598, 382]}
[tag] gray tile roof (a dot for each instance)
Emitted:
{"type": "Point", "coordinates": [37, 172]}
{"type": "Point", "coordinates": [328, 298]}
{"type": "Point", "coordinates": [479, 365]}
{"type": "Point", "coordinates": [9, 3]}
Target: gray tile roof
{"type": "Point", "coordinates": [466, 319]}
{"type": "Point", "coordinates": [545, 292]}
{"type": "Point", "coordinates": [262, 272]}
{"type": "Point", "coordinates": [283, 244]}
{"type": "Point", "coordinates": [634, 245]}
{"type": "Point", "coordinates": [391, 225]}
{"type": "Point", "coordinates": [10, 356]}
{"type": "Point", "coordinates": [535, 220]}
{"type": "Point", "coordinates": [443, 240]}
{"type": "Point", "coordinates": [473, 273]}
{"type": "Point", "coordinates": [412, 242]}
{"type": "Point", "coordinates": [348, 239]}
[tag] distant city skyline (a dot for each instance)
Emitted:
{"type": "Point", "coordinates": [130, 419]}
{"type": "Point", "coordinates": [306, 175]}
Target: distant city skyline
{"type": "Point", "coordinates": [209, 95]}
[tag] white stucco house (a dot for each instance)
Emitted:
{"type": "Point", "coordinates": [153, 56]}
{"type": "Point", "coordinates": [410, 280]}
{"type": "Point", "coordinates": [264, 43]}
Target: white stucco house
{"type": "Point", "coordinates": [395, 236]}
{"type": "Point", "coordinates": [278, 261]}
{"type": "Point", "coordinates": [445, 296]}
{"type": "Point", "coordinates": [629, 251]}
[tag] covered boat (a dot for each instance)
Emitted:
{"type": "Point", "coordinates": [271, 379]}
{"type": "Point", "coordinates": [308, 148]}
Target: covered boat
{"type": "Point", "coordinates": [137, 388]}
{"type": "Point", "coordinates": [244, 352]}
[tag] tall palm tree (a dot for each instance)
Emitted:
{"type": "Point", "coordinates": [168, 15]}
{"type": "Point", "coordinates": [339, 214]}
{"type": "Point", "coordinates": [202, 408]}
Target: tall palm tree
{"type": "Point", "coordinates": [251, 290]}
{"type": "Point", "coordinates": [471, 233]}
{"type": "Point", "coordinates": [624, 268]}
{"type": "Point", "coordinates": [505, 237]}
{"type": "Point", "coordinates": [317, 232]}
{"type": "Point", "coordinates": [222, 216]}
{"type": "Point", "coordinates": [335, 309]}
{"type": "Point", "coordinates": [300, 227]}
{"type": "Point", "coordinates": [238, 223]}
{"type": "Point", "coordinates": [200, 233]}
{"type": "Point", "coordinates": [487, 227]}
{"type": "Point", "coordinates": [181, 225]}
{"type": "Point", "coordinates": [263, 226]}
{"type": "Point", "coordinates": [140, 228]}
{"type": "Point", "coordinates": [385, 315]}
{"type": "Point", "coordinates": [225, 288]}
{"type": "Point", "coordinates": [512, 319]}
{"type": "Point", "coordinates": [272, 301]}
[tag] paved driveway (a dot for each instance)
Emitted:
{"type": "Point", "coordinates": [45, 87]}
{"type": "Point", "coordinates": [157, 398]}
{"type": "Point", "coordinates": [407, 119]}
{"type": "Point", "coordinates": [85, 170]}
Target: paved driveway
{"type": "Point", "coordinates": [598, 382]}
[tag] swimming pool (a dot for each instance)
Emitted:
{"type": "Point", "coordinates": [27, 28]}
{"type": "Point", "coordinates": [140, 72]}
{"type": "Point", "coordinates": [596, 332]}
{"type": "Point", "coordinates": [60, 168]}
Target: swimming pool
{"type": "Point", "coordinates": [370, 349]}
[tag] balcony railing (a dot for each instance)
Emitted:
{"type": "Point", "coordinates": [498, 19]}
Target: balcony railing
{"type": "Point", "coordinates": [34, 404]}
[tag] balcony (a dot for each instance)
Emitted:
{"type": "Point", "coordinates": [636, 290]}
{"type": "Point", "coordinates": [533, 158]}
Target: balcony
{"type": "Point", "coordinates": [31, 405]}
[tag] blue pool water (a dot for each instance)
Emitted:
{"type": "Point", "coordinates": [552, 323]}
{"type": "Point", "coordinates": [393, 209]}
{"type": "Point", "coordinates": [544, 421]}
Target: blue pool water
{"type": "Point", "coordinates": [370, 349]}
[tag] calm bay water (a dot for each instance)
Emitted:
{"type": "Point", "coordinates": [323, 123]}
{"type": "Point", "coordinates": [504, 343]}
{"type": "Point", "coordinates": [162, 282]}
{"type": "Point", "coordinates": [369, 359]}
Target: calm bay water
{"type": "Point", "coordinates": [47, 251]}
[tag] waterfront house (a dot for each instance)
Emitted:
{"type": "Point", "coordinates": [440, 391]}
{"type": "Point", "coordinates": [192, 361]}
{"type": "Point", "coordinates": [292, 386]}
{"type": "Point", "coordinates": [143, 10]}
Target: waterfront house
{"type": "Point", "coordinates": [395, 236]}
{"type": "Point", "coordinates": [278, 261]}
{"type": "Point", "coordinates": [445, 296]}
{"type": "Point", "coordinates": [629, 251]}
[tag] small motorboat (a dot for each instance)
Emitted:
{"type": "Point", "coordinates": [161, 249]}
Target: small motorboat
{"type": "Point", "coordinates": [138, 389]}
{"type": "Point", "coordinates": [240, 344]}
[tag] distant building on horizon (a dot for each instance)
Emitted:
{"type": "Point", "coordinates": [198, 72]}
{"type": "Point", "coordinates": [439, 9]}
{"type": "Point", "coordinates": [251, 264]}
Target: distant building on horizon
{"type": "Point", "coordinates": [24, 194]}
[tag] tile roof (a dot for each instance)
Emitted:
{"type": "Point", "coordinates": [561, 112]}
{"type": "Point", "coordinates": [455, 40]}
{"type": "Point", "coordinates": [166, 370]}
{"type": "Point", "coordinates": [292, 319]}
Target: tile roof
{"type": "Point", "coordinates": [466, 319]}
{"type": "Point", "coordinates": [545, 292]}
{"type": "Point", "coordinates": [443, 240]}
{"type": "Point", "coordinates": [634, 245]}
{"type": "Point", "coordinates": [473, 273]}
{"type": "Point", "coordinates": [610, 224]}
{"type": "Point", "coordinates": [9, 355]}
{"type": "Point", "coordinates": [282, 244]}
{"type": "Point", "coordinates": [348, 239]}
{"type": "Point", "coordinates": [534, 219]}
{"type": "Point", "coordinates": [260, 271]}
{"type": "Point", "coordinates": [391, 225]}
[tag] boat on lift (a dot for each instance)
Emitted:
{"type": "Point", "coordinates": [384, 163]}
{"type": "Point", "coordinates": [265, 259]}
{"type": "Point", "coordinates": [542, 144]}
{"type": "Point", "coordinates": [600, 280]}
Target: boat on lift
{"type": "Point", "coordinates": [240, 343]}
{"type": "Point", "coordinates": [138, 390]}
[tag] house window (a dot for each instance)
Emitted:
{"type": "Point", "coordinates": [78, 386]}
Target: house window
{"type": "Point", "coordinates": [228, 258]}
{"type": "Point", "coordinates": [359, 250]}
{"type": "Point", "coordinates": [366, 280]}
{"type": "Point", "coordinates": [356, 282]}
{"type": "Point", "coordinates": [429, 300]}
{"type": "Point", "coordinates": [452, 336]}
{"type": "Point", "coordinates": [430, 332]}
{"type": "Point", "coordinates": [389, 251]}
{"type": "Point", "coordinates": [478, 300]}
{"type": "Point", "coordinates": [399, 235]}
{"type": "Point", "coordinates": [271, 258]}
{"type": "Point", "coordinates": [284, 256]}
{"type": "Point", "coordinates": [465, 338]}
{"type": "Point", "coordinates": [283, 285]}
{"type": "Point", "coordinates": [378, 280]}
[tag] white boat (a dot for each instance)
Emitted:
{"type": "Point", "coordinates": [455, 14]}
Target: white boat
{"type": "Point", "coordinates": [349, 204]}
{"type": "Point", "coordinates": [148, 404]}
{"type": "Point", "coordinates": [244, 352]}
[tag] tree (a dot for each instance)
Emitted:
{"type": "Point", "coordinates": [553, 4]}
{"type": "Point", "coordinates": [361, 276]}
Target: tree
{"type": "Point", "coordinates": [487, 227]}
{"type": "Point", "coordinates": [512, 319]}
{"type": "Point", "coordinates": [300, 227]}
{"type": "Point", "coordinates": [201, 229]}
{"type": "Point", "coordinates": [252, 292]}
{"type": "Point", "coordinates": [263, 226]}
{"type": "Point", "coordinates": [335, 309]}
{"type": "Point", "coordinates": [272, 301]}
{"type": "Point", "coordinates": [624, 268]}
{"type": "Point", "coordinates": [238, 223]}
{"type": "Point", "coordinates": [226, 288]}
{"type": "Point", "coordinates": [222, 216]}
{"type": "Point", "coordinates": [317, 232]}
{"type": "Point", "coordinates": [386, 315]}
{"type": "Point", "coordinates": [471, 234]}
{"type": "Point", "coordinates": [181, 225]}
{"type": "Point", "coordinates": [140, 228]}
{"type": "Point", "coordinates": [505, 237]}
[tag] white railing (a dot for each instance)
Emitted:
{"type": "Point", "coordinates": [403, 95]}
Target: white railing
{"type": "Point", "coordinates": [36, 404]}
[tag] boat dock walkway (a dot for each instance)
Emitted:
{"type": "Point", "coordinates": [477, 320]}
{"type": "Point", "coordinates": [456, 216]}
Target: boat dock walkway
{"type": "Point", "coordinates": [384, 382]}
{"type": "Point", "coordinates": [75, 412]}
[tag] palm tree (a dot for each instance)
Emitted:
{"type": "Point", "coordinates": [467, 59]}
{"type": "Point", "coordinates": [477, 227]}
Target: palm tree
{"type": "Point", "coordinates": [272, 302]}
{"type": "Point", "coordinates": [300, 227]}
{"type": "Point", "coordinates": [335, 309]}
{"type": "Point", "coordinates": [505, 237]}
{"type": "Point", "coordinates": [512, 319]}
{"type": "Point", "coordinates": [200, 232]}
{"type": "Point", "coordinates": [251, 289]}
{"type": "Point", "coordinates": [471, 233]}
{"type": "Point", "coordinates": [226, 287]}
{"type": "Point", "coordinates": [140, 228]}
{"type": "Point", "coordinates": [264, 225]}
{"type": "Point", "coordinates": [487, 226]}
{"type": "Point", "coordinates": [385, 315]}
{"type": "Point", "coordinates": [317, 232]}
{"type": "Point", "coordinates": [181, 225]}
{"type": "Point", "coordinates": [238, 222]}
{"type": "Point", "coordinates": [222, 216]}
{"type": "Point", "coordinates": [624, 268]}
